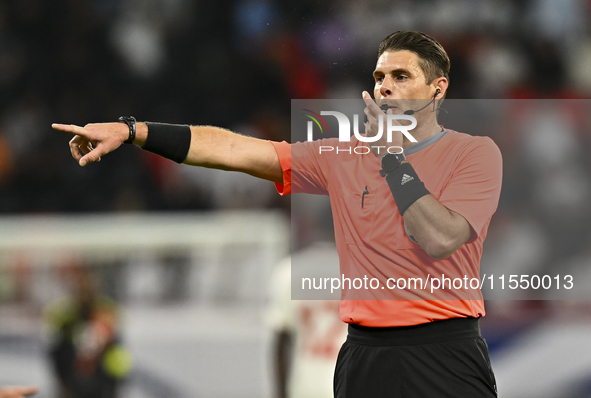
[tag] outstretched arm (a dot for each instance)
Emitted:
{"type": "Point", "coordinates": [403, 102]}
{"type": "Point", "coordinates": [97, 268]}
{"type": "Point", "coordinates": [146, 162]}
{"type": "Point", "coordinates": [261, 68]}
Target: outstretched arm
{"type": "Point", "coordinates": [211, 147]}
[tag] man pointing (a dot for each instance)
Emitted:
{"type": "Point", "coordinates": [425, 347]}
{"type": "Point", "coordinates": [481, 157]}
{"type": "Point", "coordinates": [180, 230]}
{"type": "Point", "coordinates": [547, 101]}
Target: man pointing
{"type": "Point", "coordinates": [422, 212]}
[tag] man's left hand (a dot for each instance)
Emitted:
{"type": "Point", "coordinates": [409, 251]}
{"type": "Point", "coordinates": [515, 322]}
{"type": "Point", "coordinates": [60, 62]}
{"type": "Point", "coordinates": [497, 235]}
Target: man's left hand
{"type": "Point", "coordinates": [372, 127]}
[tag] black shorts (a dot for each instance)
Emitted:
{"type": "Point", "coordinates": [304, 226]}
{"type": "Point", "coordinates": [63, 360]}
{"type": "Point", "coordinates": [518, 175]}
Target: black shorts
{"type": "Point", "coordinates": [441, 359]}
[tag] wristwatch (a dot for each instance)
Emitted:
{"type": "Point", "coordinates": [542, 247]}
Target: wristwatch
{"type": "Point", "coordinates": [130, 121]}
{"type": "Point", "coordinates": [390, 162]}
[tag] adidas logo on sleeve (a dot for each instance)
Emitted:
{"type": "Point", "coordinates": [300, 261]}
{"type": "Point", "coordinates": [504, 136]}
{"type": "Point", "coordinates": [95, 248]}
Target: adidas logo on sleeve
{"type": "Point", "coordinates": [406, 178]}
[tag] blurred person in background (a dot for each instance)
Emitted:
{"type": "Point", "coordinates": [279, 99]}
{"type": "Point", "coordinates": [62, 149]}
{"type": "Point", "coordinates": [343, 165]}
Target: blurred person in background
{"type": "Point", "coordinates": [434, 344]}
{"type": "Point", "coordinates": [307, 333]}
{"type": "Point", "coordinates": [86, 355]}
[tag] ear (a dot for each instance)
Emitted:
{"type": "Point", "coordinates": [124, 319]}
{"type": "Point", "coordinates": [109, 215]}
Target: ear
{"type": "Point", "coordinates": [441, 84]}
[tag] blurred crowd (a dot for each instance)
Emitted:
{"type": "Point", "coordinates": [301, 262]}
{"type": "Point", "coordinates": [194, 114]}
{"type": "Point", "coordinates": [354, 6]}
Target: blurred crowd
{"type": "Point", "coordinates": [237, 64]}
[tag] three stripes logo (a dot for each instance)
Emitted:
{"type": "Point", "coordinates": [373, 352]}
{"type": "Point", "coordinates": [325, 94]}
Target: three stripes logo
{"type": "Point", "coordinates": [406, 178]}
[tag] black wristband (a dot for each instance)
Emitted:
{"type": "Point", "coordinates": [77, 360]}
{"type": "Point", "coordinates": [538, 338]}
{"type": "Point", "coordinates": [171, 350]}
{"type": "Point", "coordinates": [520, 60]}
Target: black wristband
{"type": "Point", "coordinates": [130, 121]}
{"type": "Point", "coordinates": [406, 186]}
{"type": "Point", "coordinates": [171, 141]}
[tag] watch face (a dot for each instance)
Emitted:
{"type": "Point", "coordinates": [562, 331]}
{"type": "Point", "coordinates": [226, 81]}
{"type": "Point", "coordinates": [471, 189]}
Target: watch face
{"type": "Point", "coordinates": [391, 160]}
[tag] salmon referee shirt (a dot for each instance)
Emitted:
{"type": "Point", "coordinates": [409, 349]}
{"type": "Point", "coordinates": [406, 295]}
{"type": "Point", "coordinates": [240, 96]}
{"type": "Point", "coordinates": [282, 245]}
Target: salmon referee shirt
{"type": "Point", "coordinates": [461, 171]}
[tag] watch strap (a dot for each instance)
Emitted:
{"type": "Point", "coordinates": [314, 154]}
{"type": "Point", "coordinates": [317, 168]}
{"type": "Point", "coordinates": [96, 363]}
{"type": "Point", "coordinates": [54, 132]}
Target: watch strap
{"type": "Point", "coordinates": [130, 121]}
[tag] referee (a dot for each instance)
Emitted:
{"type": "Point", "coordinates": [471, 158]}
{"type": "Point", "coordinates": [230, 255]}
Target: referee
{"type": "Point", "coordinates": [424, 211]}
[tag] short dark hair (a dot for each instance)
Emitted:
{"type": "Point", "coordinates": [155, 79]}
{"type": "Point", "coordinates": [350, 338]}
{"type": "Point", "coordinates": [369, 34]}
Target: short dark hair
{"type": "Point", "coordinates": [433, 59]}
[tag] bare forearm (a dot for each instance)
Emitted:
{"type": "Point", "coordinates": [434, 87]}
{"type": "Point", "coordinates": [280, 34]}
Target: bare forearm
{"type": "Point", "coordinates": [212, 147]}
{"type": "Point", "coordinates": [437, 229]}
{"type": "Point", "coordinates": [218, 148]}
{"type": "Point", "coordinates": [222, 149]}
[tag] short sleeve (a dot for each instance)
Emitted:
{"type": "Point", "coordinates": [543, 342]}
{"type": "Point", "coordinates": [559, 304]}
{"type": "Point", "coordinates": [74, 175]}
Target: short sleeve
{"type": "Point", "coordinates": [304, 169]}
{"type": "Point", "coordinates": [475, 185]}
{"type": "Point", "coordinates": [283, 150]}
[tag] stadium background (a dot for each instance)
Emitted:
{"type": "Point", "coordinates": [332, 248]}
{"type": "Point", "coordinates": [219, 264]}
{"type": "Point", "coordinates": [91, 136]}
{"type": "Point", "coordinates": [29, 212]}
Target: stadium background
{"type": "Point", "coordinates": [237, 64]}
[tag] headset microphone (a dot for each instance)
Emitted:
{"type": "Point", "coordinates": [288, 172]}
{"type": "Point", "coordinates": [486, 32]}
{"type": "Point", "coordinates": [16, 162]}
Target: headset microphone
{"type": "Point", "coordinates": [411, 112]}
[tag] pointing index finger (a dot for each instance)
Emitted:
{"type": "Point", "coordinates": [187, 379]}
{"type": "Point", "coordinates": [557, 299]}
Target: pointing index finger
{"type": "Point", "coordinates": [70, 128]}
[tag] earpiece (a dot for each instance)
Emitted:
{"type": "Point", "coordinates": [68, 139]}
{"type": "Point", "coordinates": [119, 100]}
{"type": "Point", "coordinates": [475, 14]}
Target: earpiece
{"type": "Point", "coordinates": [412, 112]}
